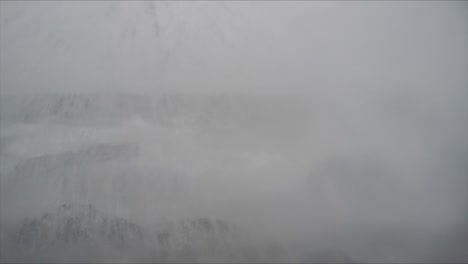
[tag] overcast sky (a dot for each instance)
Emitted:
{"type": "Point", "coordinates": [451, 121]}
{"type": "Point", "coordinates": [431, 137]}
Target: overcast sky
{"type": "Point", "coordinates": [234, 46]}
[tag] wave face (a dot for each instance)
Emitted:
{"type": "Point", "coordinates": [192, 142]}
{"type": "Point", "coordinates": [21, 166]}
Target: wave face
{"type": "Point", "coordinates": [133, 177]}
{"type": "Point", "coordinates": [80, 232]}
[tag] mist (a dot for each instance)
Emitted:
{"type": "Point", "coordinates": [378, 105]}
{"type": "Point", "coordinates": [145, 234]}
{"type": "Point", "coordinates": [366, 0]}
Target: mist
{"type": "Point", "coordinates": [243, 131]}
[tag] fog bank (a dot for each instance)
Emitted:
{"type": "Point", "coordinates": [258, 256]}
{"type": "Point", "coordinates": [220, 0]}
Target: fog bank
{"type": "Point", "coordinates": [234, 131]}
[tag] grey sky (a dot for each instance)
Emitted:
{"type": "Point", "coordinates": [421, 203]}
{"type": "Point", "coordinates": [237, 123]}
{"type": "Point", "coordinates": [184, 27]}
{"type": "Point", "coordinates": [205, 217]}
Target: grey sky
{"type": "Point", "coordinates": [252, 46]}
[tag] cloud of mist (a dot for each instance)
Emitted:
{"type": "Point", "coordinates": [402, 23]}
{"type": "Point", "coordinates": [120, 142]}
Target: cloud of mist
{"type": "Point", "coordinates": [323, 125]}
